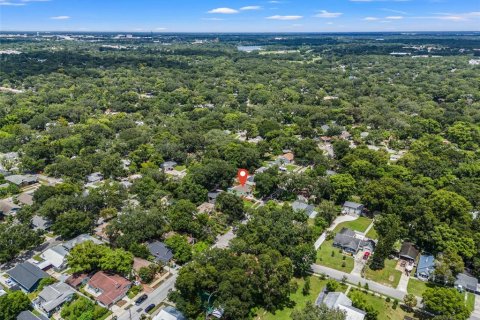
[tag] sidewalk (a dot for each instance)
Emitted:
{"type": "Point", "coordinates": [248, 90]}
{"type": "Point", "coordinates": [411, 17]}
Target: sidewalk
{"type": "Point", "coordinates": [476, 312]}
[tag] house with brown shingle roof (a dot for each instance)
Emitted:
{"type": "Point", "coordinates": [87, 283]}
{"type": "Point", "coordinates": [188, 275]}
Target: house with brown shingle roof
{"type": "Point", "coordinates": [107, 288]}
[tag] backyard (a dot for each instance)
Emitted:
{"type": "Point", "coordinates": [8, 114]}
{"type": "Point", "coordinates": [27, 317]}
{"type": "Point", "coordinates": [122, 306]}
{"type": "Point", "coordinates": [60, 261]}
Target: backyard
{"type": "Point", "coordinates": [384, 308]}
{"type": "Point", "coordinates": [329, 256]}
{"type": "Point", "coordinates": [361, 224]}
{"type": "Point", "coordinates": [388, 276]}
{"type": "Point", "coordinates": [316, 285]}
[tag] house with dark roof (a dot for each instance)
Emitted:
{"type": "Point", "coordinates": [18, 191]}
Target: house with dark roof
{"type": "Point", "coordinates": [52, 297]}
{"type": "Point", "coordinates": [22, 180]}
{"type": "Point", "coordinates": [160, 251]}
{"type": "Point", "coordinates": [27, 276]}
{"type": "Point", "coordinates": [28, 315]}
{"type": "Point", "coordinates": [352, 208]}
{"type": "Point", "coordinates": [408, 252]}
{"type": "Point", "coordinates": [77, 280]}
{"type": "Point", "coordinates": [464, 282]}
{"type": "Point", "coordinates": [40, 223]}
{"type": "Point", "coordinates": [8, 208]}
{"type": "Point", "coordinates": [307, 208]}
{"type": "Point", "coordinates": [348, 241]}
{"type": "Point", "coordinates": [213, 195]}
{"type": "Point", "coordinates": [107, 288]}
{"type": "Point", "coordinates": [425, 267]}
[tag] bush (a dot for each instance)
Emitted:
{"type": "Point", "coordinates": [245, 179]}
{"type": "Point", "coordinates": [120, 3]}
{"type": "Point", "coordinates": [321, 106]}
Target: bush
{"type": "Point", "coordinates": [344, 264]}
{"type": "Point", "coordinates": [332, 285]}
{"type": "Point", "coordinates": [333, 253]}
{"type": "Point", "coordinates": [388, 299]}
{"type": "Point", "coordinates": [395, 304]}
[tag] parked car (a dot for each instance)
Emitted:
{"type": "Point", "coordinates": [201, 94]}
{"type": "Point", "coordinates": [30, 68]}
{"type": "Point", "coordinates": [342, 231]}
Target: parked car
{"type": "Point", "coordinates": [366, 255]}
{"type": "Point", "coordinates": [142, 298]}
{"type": "Point", "coordinates": [149, 307]}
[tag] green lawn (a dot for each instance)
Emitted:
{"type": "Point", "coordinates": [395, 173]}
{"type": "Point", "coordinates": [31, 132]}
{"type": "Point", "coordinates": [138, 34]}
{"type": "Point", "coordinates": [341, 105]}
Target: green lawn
{"type": "Point", "coordinates": [361, 224]}
{"type": "Point", "coordinates": [470, 301]}
{"type": "Point", "coordinates": [290, 167]}
{"type": "Point", "coordinates": [324, 257]}
{"type": "Point", "coordinates": [180, 168]}
{"type": "Point", "coordinates": [316, 285]}
{"type": "Point", "coordinates": [387, 276]}
{"type": "Point", "coordinates": [384, 308]}
{"type": "Point", "coordinates": [418, 287]}
{"type": "Point", "coordinates": [372, 234]}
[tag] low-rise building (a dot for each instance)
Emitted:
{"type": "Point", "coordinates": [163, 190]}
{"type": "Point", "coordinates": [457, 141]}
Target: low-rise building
{"type": "Point", "coordinates": [338, 300]}
{"type": "Point", "coordinates": [307, 208]}
{"type": "Point", "coordinates": [350, 242]}
{"type": "Point", "coordinates": [107, 289]}
{"type": "Point", "coordinates": [168, 165]}
{"type": "Point", "coordinates": [21, 180]}
{"type": "Point", "coordinates": [408, 252]}
{"type": "Point", "coordinates": [169, 313]}
{"type": "Point", "coordinates": [8, 208]}
{"type": "Point", "coordinates": [352, 208]}
{"type": "Point", "coordinates": [56, 257]}
{"type": "Point", "coordinates": [27, 276]}
{"type": "Point", "coordinates": [465, 282]}
{"type": "Point", "coordinates": [160, 251]}
{"type": "Point", "coordinates": [425, 267]}
{"type": "Point", "coordinates": [52, 297]}
{"type": "Point", "coordinates": [28, 315]}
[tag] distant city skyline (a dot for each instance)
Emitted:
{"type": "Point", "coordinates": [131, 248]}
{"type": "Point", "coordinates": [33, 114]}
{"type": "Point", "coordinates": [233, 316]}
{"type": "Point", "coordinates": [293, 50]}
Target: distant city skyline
{"type": "Point", "coordinates": [240, 16]}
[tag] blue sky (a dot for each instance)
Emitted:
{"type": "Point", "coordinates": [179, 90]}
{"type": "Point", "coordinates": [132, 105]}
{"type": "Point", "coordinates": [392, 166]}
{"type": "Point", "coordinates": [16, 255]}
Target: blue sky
{"type": "Point", "coordinates": [240, 15]}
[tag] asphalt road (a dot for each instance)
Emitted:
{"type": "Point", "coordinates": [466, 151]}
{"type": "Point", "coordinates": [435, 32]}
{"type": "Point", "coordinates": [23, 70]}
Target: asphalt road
{"type": "Point", "coordinates": [373, 286]}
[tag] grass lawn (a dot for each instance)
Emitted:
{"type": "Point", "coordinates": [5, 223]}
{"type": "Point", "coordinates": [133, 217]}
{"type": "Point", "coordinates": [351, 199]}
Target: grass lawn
{"type": "Point", "coordinates": [247, 204]}
{"type": "Point", "coordinates": [372, 234]}
{"type": "Point", "coordinates": [418, 287]}
{"type": "Point", "coordinates": [384, 308]}
{"type": "Point", "coordinates": [134, 291]}
{"type": "Point", "coordinates": [316, 285]}
{"type": "Point", "coordinates": [470, 301]}
{"type": "Point", "coordinates": [37, 258]}
{"type": "Point", "coordinates": [324, 257]}
{"type": "Point", "coordinates": [387, 276]}
{"type": "Point", "coordinates": [361, 224]}
{"type": "Point", "coordinates": [290, 167]}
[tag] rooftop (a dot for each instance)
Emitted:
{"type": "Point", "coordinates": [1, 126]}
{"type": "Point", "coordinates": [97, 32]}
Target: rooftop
{"type": "Point", "coordinates": [27, 275]}
{"type": "Point", "coordinates": [112, 286]}
{"type": "Point", "coordinates": [160, 251]}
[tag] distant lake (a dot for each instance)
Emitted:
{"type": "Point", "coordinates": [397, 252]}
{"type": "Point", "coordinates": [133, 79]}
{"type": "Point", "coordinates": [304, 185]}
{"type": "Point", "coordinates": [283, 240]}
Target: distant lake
{"type": "Point", "coordinates": [249, 48]}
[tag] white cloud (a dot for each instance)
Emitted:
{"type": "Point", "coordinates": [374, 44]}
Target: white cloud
{"type": "Point", "coordinates": [394, 11]}
{"type": "Point", "coordinates": [326, 14]}
{"type": "Point", "coordinates": [457, 16]}
{"type": "Point", "coordinates": [160, 29]}
{"type": "Point", "coordinates": [277, 17]}
{"type": "Point", "coordinates": [213, 19]}
{"type": "Point", "coordinates": [371, 19]}
{"type": "Point", "coordinates": [60, 18]}
{"type": "Point", "coordinates": [223, 11]}
{"type": "Point", "coordinates": [394, 18]}
{"type": "Point", "coordinates": [250, 8]}
{"type": "Point", "coordinates": [7, 3]}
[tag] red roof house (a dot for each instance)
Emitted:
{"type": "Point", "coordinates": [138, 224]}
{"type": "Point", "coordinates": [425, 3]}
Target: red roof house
{"type": "Point", "coordinates": [108, 288]}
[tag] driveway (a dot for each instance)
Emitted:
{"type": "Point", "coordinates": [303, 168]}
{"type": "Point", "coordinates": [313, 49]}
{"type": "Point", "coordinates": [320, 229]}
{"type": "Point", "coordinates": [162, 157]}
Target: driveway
{"type": "Point", "coordinates": [336, 222]}
{"type": "Point", "coordinates": [476, 312]}
{"type": "Point", "coordinates": [359, 263]}
{"type": "Point", "coordinates": [373, 286]}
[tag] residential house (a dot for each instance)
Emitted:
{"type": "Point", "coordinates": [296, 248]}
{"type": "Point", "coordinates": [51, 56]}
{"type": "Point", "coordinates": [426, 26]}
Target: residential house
{"type": "Point", "coordinates": [160, 251]}
{"type": "Point", "coordinates": [94, 177]}
{"type": "Point", "coordinates": [206, 207]}
{"type": "Point", "coordinates": [408, 252]}
{"type": "Point", "coordinates": [302, 206]}
{"type": "Point", "coordinates": [464, 282]}
{"type": "Point", "coordinates": [40, 223]}
{"type": "Point", "coordinates": [107, 288]}
{"type": "Point", "coordinates": [28, 315]}
{"type": "Point", "coordinates": [425, 267]}
{"type": "Point", "coordinates": [22, 180]}
{"type": "Point", "coordinates": [169, 313]}
{"type": "Point", "coordinates": [77, 280]}
{"type": "Point", "coordinates": [56, 257]}
{"type": "Point", "coordinates": [80, 239]}
{"type": "Point", "coordinates": [52, 297]}
{"type": "Point", "coordinates": [352, 208]}
{"type": "Point", "coordinates": [345, 135]}
{"type": "Point", "coordinates": [25, 198]}
{"type": "Point", "coordinates": [286, 158]}
{"type": "Point", "coordinates": [338, 300]}
{"type": "Point", "coordinates": [242, 191]}
{"type": "Point", "coordinates": [8, 208]}
{"type": "Point", "coordinates": [213, 195]}
{"type": "Point", "coordinates": [168, 165]}
{"type": "Point", "coordinates": [348, 241]}
{"type": "Point", "coordinates": [325, 128]}
{"type": "Point", "coordinates": [27, 276]}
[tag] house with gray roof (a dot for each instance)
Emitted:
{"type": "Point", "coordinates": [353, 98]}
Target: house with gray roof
{"type": "Point", "coordinates": [464, 282]}
{"type": "Point", "coordinates": [22, 180]}
{"type": "Point", "coordinates": [40, 223]}
{"type": "Point", "coordinates": [25, 198]}
{"type": "Point", "coordinates": [213, 195]}
{"type": "Point", "coordinates": [56, 256]}
{"type": "Point", "coordinates": [28, 315]}
{"type": "Point", "coordinates": [8, 208]}
{"type": "Point", "coordinates": [425, 267]}
{"type": "Point", "coordinates": [94, 177]}
{"type": "Point", "coordinates": [352, 208]}
{"type": "Point", "coordinates": [80, 239]}
{"type": "Point", "coordinates": [168, 165]}
{"type": "Point", "coordinates": [307, 208]}
{"type": "Point", "coordinates": [52, 297]}
{"type": "Point", "coordinates": [27, 276]}
{"type": "Point", "coordinates": [160, 251]}
{"type": "Point", "coordinates": [408, 252]}
{"type": "Point", "coordinates": [348, 241]}
{"type": "Point", "coordinates": [338, 300]}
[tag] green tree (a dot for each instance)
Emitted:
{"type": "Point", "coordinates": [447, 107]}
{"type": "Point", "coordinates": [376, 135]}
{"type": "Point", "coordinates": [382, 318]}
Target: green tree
{"type": "Point", "coordinates": [12, 303]}
{"type": "Point", "coordinates": [182, 250]}
{"type": "Point", "coordinates": [322, 312]}
{"type": "Point", "coordinates": [410, 301]}
{"type": "Point", "coordinates": [446, 302]}
{"type": "Point", "coordinates": [72, 223]}
{"type": "Point", "coordinates": [231, 205]}
{"type": "Point", "coordinates": [343, 186]}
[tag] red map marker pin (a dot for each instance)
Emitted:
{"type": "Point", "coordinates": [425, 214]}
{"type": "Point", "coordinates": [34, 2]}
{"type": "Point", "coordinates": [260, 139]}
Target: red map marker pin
{"type": "Point", "coordinates": [242, 176]}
